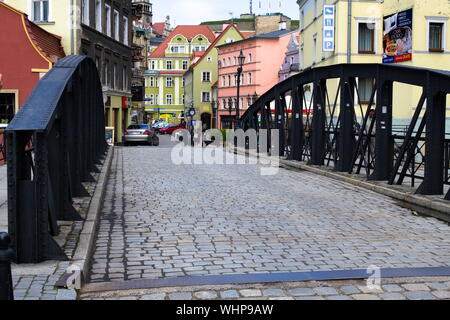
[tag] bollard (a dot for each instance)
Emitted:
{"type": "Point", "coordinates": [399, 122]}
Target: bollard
{"type": "Point", "coordinates": [6, 255]}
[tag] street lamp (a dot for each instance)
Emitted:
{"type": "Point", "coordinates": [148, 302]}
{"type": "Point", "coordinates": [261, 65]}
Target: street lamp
{"type": "Point", "coordinates": [241, 60]}
{"type": "Point", "coordinates": [230, 108]}
{"type": "Point", "coordinates": [215, 109]}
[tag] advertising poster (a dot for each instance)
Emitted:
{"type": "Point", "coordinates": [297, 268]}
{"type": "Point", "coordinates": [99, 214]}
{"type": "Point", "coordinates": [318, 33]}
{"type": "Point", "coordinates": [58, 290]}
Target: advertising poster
{"type": "Point", "coordinates": [109, 135]}
{"type": "Point", "coordinates": [397, 40]}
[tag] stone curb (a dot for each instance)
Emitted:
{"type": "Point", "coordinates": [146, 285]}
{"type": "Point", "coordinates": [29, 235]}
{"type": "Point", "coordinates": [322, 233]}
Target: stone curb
{"type": "Point", "coordinates": [414, 200]}
{"type": "Point", "coordinates": [83, 252]}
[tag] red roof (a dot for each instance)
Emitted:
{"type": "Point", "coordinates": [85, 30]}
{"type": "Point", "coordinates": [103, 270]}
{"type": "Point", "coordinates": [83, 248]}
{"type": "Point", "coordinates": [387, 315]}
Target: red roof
{"type": "Point", "coordinates": [213, 45]}
{"type": "Point", "coordinates": [247, 34]}
{"type": "Point", "coordinates": [48, 43]}
{"type": "Point", "coordinates": [189, 32]}
{"type": "Point", "coordinates": [159, 27]}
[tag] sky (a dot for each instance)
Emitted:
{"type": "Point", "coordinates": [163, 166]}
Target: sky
{"type": "Point", "coordinates": [184, 12]}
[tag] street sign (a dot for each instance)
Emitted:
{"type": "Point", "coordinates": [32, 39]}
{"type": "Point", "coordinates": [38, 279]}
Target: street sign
{"type": "Point", "coordinates": [328, 28]}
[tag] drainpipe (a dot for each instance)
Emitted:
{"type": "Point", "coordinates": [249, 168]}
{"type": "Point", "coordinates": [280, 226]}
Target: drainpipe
{"type": "Point", "coordinates": [349, 33]}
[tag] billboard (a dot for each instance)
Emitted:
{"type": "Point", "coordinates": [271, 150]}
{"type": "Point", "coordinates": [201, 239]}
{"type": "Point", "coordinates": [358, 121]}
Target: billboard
{"type": "Point", "coordinates": [397, 39]}
{"type": "Point", "coordinates": [328, 28]}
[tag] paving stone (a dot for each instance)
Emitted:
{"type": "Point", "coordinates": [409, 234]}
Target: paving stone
{"type": "Point", "coordinates": [392, 296]}
{"type": "Point", "coordinates": [229, 294]}
{"type": "Point", "coordinates": [273, 293]}
{"type": "Point", "coordinates": [349, 289]}
{"type": "Point", "coordinates": [180, 296]}
{"type": "Point", "coordinates": [365, 296]}
{"type": "Point", "coordinates": [66, 294]}
{"type": "Point", "coordinates": [302, 292]}
{"type": "Point", "coordinates": [419, 295]}
{"type": "Point", "coordinates": [339, 298]}
{"type": "Point", "coordinates": [325, 291]}
{"type": "Point", "coordinates": [154, 296]}
{"type": "Point", "coordinates": [250, 293]}
{"type": "Point", "coordinates": [206, 295]}
{"type": "Point", "coordinates": [441, 294]}
{"type": "Point", "coordinates": [416, 287]}
{"type": "Point", "coordinates": [392, 288]}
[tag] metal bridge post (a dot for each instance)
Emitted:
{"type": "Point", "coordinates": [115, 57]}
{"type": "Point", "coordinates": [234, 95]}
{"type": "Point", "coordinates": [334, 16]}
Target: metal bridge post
{"type": "Point", "coordinates": [433, 183]}
{"type": "Point", "coordinates": [318, 124]}
{"type": "Point", "coordinates": [345, 138]}
{"type": "Point", "coordinates": [6, 255]}
{"type": "Point", "coordinates": [297, 131]}
{"type": "Point", "coordinates": [384, 145]}
{"type": "Point", "coordinates": [279, 114]}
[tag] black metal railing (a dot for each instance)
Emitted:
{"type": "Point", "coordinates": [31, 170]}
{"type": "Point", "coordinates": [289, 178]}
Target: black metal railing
{"type": "Point", "coordinates": [53, 144]}
{"type": "Point", "coordinates": [325, 119]}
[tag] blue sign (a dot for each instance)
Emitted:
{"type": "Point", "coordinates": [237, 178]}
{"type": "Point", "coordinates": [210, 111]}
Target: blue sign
{"type": "Point", "coordinates": [328, 28]}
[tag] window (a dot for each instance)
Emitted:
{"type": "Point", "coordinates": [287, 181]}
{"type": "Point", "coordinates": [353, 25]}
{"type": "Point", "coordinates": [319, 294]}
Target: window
{"type": "Point", "coordinates": [169, 65]}
{"type": "Point", "coordinates": [152, 82]}
{"type": "Point", "coordinates": [292, 61]}
{"type": "Point", "coordinates": [235, 60]}
{"type": "Point", "coordinates": [224, 62]}
{"type": "Point", "coordinates": [174, 49]}
{"type": "Point", "coordinates": [107, 77]}
{"type": "Point", "coordinates": [206, 76]}
{"type": "Point", "coordinates": [97, 63]}
{"type": "Point", "coordinates": [114, 79]}
{"type": "Point", "coordinates": [185, 65]}
{"type": "Point", "coordinates": [250, 80]}
{"type": "Point", "coordinates": [152, 65]}
{"type": "Point", "coordinates": [125, 78]}
{"type": "Point", "coordinates": [224, 103]}
{"type": "Point", "coordinates": [436, 32]}
{"type": "Point", "coordinates": [183, 100]}
{"type": "Point", "coordinates": [40, 10]}
{"type": "Point", "coordinates": [242, 79]}
{"type": "Point", "coordinates": [168, 99]}
{"type": "Point", "coordinates": [209, 59]}
{"type": "Point", "coordinates": [229, 81]}
{"type": "Point", "coordinates": [108, 20]}
{"type": "Point", "coordinates": [366, 38]}
{"type": "Point", "coordinates": [169, 82]}
{"type": "Point", "coordinates": [152, 97]}
{"type": "Point", "coordinates": [125, 30]}
{"type": "Point", "coordinates": [156, 82]}
{"type": "Point", "coordinates": [206, 96]}
{"type": "Point", "coordinates": [116, 25]}
{"type": "Point", "coordinates": [224, 81]}
{"type": "Point", "coordinates": [98, 15]}
{"type": "Point", "coordinates": [365, 87]}
{"type": "Point", "coordinates": [314, 50]}
{"type": "Point", "coordinates": [85, 11]}
{"type": "Point", "coordinates": [250, 57]}
{"type": "Point", "coordinates": [7, 107]}
{"type": "Point", "coordinates": [157, 99]}
{"type": "Point", "coordinates": [183, 82]}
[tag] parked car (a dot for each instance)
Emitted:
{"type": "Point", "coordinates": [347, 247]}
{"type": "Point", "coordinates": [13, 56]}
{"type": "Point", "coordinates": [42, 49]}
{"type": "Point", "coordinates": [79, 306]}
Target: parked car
{"type": "Point", "coordinates": [171, 128]}
{"type": "Point", "coordinates": [142, 133]}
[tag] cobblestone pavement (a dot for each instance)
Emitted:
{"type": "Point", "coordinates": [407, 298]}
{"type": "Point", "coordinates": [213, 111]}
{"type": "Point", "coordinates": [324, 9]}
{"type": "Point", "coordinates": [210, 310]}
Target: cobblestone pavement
{"type": "Point", "coordinates": [163, 220]}
{"type": "Point", "coordinates": [391, 289]}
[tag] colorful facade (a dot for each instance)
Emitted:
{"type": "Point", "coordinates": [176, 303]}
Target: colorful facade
{"type": "Point", "coordinates": [164, 84]}
{"type": "Point", "coordinates": [425, 40]}
{"type": "Point", "coordinates": [101, 30]}
{"type": "Point", "coordinates": [32, 53]}
{"type": "Point", "coordinates": [203, 74]}
{"type": "Point", "coordinates": [264, 55]}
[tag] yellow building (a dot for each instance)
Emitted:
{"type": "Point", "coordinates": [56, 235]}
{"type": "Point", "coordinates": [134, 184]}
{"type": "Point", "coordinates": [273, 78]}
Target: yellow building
{"type": "Point", "coordinates": [359, 37]}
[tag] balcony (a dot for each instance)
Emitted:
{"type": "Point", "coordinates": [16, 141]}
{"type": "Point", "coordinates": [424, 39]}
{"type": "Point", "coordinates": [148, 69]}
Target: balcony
{"type": "Point", "coordinates": [141, 7]}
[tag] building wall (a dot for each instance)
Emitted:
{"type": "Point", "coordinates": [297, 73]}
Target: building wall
{"type": "Point", "coordinates": [405, 97]}
{"type": "Point", "coordinates": [269, 23]}
{"type": "Point", "coordinates": [60, 20]}
{"type": "Point", "coordinates": [208, 64]}
{"type": "Point", "coordinates": [267, 57]}
{"type": "Point", "coordinates": [20, 69]}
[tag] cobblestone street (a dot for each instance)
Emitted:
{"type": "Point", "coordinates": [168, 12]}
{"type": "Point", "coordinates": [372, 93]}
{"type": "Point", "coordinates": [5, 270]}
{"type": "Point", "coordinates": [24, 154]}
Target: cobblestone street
{"type": "Point", "coordinates": [163, 220]}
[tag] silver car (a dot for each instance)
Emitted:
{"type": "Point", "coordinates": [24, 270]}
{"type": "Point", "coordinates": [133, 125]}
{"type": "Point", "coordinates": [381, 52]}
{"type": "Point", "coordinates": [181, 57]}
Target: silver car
{"type": "Point", "coordinates": [140, 133]}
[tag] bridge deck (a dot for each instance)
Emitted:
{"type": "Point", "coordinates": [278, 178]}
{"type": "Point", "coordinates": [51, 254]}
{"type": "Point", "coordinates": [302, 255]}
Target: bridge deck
{"type": "Point", "coordinates": [162, 220]}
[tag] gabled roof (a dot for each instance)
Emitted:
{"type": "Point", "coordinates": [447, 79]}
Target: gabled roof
{"type": "Point", "coordinates": [159, 28]}
{"type": "Point", "coordinates": [47, 44]}
{"type": "Point", "coordinates": [213, 45]}
{"type": "Point", "coordinates": [187, 31]}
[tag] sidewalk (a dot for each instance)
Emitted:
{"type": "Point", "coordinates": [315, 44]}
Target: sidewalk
{"type": "Point", "coordinates": [37, 281]}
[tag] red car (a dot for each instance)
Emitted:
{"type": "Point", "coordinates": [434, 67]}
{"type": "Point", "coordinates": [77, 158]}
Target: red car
{"type": "Point", "coordinates": [172, 128]}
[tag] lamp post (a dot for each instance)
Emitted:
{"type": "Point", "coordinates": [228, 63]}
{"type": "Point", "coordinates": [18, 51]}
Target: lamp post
{"type": "Point", "coordinates": [215, 109]}
{"type": "Point", "coordinates": [230, 108]}
{"type": "Point", "coordinates": [241, 59]}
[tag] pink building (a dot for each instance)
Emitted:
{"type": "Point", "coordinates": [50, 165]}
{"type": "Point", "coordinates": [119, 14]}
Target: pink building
{"type": "Point", "coordinates": [264, 55]}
